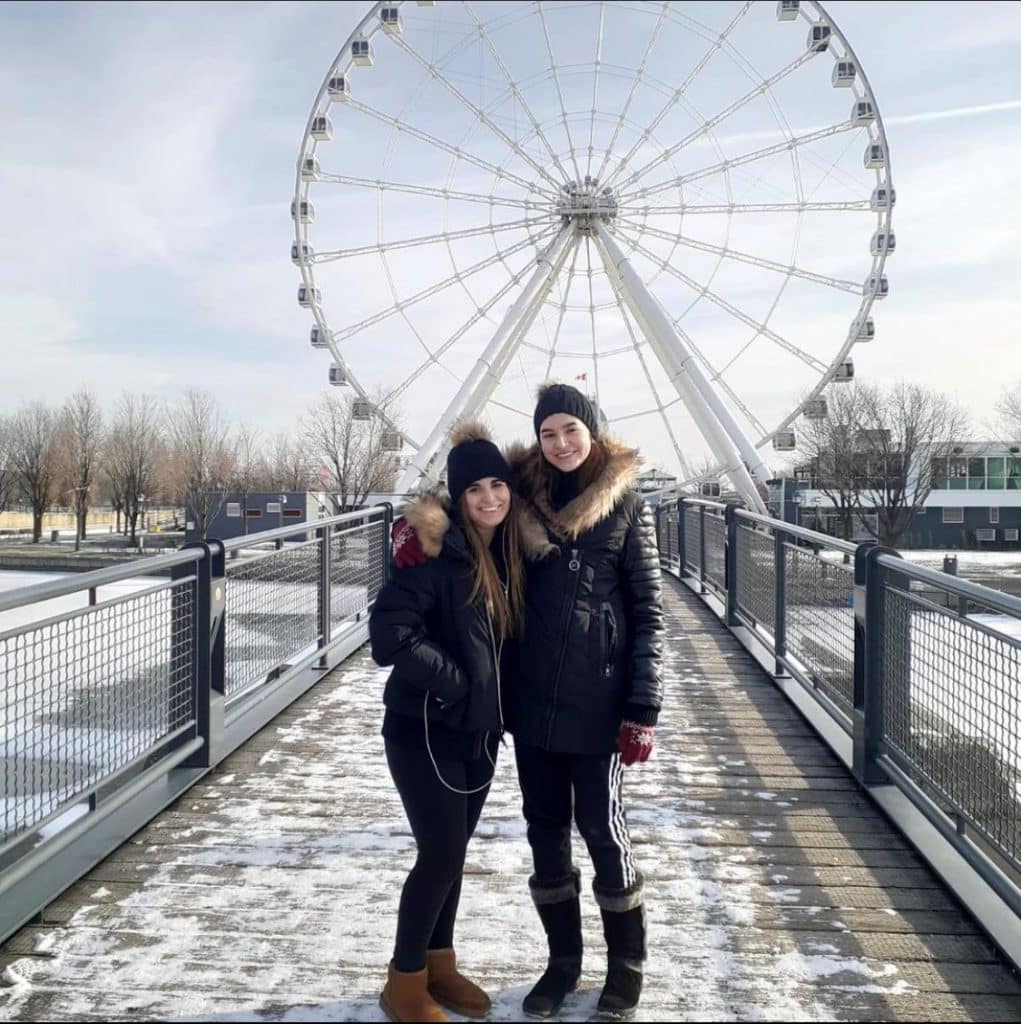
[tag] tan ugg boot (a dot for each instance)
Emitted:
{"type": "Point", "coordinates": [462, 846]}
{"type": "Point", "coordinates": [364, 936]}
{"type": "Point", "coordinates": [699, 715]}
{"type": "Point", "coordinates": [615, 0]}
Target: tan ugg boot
{"type": "Point", "coordinates": [451, 988]}
{"type": "Point", "coordinates": [406, 997]}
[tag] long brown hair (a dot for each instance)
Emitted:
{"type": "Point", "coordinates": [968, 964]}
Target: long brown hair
{"type": "Point", "coordinates": [505, 610]}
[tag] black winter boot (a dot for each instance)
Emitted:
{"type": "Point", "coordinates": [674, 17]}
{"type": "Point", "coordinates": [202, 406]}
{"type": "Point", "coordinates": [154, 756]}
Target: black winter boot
{"type": "Point", "coordinates": [623, 912]}
{"type": "Point", "coordinates": [560, 912]}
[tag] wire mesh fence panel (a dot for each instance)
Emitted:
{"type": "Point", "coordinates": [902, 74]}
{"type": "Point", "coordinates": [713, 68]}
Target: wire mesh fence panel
{"type": "Point", "coordinates": [87, 693]}
{"type": "Point", "coordinates": [715, 551]}
{"type": "Point", "coordinates": [756, 577]}
{"type": "Point", "coordinates": [819, 602]}
{"type": "Point", "coordinates": [952, 711]}
{"type": "Point", "coordinates": [272, 610]}
{"type": "Point", "coordinates": [356, 567]}
{"type": "Point", "coordinates": [692, 558]}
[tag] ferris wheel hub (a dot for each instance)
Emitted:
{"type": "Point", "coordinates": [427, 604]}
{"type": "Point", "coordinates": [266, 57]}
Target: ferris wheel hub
{"type": "Point", "coordinates": [584, 202]}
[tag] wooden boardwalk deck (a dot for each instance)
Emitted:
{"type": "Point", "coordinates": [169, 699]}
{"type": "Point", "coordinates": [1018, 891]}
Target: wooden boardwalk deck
{"type": "Point", "coordinates": [775, 889]}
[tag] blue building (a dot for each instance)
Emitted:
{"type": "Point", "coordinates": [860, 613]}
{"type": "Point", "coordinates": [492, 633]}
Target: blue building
{"type": "Point", "coordinates": [975, 501]}
{"type": "Point", "coordinates": [240, 514]}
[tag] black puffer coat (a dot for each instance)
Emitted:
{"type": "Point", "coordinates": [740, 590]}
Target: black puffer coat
{"type": "Point", "coordinates": [438, 643]}
{"type": "Point", "coordinates": [594, 624]}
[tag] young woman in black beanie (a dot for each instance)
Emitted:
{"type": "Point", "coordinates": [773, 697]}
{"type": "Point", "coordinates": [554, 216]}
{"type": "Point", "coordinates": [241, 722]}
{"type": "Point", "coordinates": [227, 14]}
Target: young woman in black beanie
{"type": "Point", "coordinates": [581, 713]}
{"type": "Point", "coordinates": [443, 628]}
{"type": "Point", "coordinates": [585, 689]}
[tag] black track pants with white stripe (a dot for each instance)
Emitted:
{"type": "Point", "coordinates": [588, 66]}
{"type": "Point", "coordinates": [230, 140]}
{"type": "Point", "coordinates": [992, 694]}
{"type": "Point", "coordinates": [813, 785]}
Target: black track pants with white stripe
{"type": "Point", "coordinates": [551, 784]}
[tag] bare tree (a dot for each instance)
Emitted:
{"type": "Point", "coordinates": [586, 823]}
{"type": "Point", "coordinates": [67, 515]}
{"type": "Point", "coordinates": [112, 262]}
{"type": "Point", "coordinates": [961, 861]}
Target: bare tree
{"type": "Point", "coordinates": [205, 458]}
{"type": "Point", "coordinates": [289, 467]}
{"type": "Point", "coordinates": [81, 440]}
{"type": "Point", "coordinates": [1009, 410]}
{"type": "Point", "coordinates": [351, 449]}
{"type": "Point", "coordinates": [133, 454]}
{"type": "Point", "coordinates": [829, 445]}
{"type": "Point", "coordinates": [34, 458]}
{"type": "Point", "coordinates": [7, 472]}
{"type": "Point", "coordinates": [901, 432]}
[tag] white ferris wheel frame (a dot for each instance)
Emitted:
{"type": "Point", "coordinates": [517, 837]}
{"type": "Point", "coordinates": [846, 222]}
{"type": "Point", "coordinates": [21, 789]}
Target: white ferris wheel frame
{"type": "Point", "coordinates": [738, 456]}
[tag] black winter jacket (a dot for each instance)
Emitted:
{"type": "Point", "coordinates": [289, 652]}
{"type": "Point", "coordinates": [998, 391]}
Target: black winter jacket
{"type": "Point", "coordinates": [438, 643]}
{"type": "Point", "coordinates": [594, 624]}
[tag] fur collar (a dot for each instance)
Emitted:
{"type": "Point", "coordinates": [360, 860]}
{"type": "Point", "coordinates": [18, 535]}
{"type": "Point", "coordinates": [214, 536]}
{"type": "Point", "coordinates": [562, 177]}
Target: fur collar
{"type": "Point", "coordinates": [589, 508]}
{"type": "Point", "coordinates": [429, 515]}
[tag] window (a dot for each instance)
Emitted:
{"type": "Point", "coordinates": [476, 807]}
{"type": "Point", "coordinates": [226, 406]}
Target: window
{"type": "Point", "coordinates": [957, 471]}
{"type": "Point", "coordinates": [234, 509]}
{"type": "Point", "coordinates": [953, 515]}
{"type": "Point", "coordinates": [985, 535]}
{"type": "Point", "coordinates": [1013, 467]}
{"type": "Point", "coordinates": [976, 474]}
{"type": "Point", "coordinates": [994, 474]}
{"type": "Point", "coordinates": [273, 506]}
{"type": "Point", "coordinates": [939, 474]}
{"type": "Point", "coordinates": [292, 513]}
{"type": "Point", "coordinates": [994, 515]}
{"type": "Point", "coordinates": [253, 513]}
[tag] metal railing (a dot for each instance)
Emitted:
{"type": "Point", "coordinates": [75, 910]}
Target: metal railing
{"type": "Point", "coordinates": [912, 676]}
{"type": "Point", "coordinates": [115, 706]}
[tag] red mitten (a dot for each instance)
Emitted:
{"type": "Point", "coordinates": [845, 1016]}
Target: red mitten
{"type": "Point", "coordinates": [635, 741]}
{"type": "Point", "coordinates": [407, 548]}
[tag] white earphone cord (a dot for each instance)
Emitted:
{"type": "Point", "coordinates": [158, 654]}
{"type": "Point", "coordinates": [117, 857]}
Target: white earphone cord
{"type": "Point", "coordinates": [499, 703]}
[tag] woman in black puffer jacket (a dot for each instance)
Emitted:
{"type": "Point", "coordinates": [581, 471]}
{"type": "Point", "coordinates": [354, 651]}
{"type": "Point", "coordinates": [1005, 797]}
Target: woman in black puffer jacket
{"type": "Point", "coordinates": [585, 688]}
{"type": "Point", "coordinates": [443, 628]}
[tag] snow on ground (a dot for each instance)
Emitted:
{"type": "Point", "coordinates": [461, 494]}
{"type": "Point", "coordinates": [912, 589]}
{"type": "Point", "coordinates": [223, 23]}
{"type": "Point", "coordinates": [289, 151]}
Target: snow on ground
{"type": "Point", "coordinates": [277, 898]}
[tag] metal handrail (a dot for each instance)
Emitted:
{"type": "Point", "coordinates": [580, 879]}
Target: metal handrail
{"type": "Point", "coordinates": [36, 592]}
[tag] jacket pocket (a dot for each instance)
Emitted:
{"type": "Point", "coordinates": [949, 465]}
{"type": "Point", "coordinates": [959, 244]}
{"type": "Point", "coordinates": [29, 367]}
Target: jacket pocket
{"type": "Point", "coordinates": [608, 644]}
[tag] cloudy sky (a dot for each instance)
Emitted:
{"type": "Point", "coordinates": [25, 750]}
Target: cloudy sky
{"type": "Point", "coordinates": [147, 166]}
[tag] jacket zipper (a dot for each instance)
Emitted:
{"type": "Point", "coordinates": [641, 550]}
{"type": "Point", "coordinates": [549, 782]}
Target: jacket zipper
{"type": "Point", "coordinates": [574, 565]}
{"type": "Point", "coordinates": [611, 640]}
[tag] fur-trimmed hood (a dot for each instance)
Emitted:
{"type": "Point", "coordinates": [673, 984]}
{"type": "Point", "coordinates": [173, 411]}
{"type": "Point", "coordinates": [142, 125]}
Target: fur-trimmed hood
{"type": "Point", "coordinates": [593, 505]}
{"type": "Point", "coordinates": [429, 514]}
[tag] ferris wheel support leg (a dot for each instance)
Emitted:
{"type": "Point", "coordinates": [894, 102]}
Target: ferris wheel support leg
{"type": "Point", "coordinates": [485, 375]}
{"type": "Point", "coordinates": [725, 438]}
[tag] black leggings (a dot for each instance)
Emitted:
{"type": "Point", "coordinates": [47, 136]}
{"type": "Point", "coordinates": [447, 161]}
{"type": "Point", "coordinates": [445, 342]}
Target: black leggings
{"type": "Point", "coordinates": [442, 823]}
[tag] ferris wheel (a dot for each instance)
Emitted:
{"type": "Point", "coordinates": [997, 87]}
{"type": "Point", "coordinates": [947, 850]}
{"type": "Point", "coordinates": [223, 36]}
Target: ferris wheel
{"type": "Point", "coordinates": [684, 209]}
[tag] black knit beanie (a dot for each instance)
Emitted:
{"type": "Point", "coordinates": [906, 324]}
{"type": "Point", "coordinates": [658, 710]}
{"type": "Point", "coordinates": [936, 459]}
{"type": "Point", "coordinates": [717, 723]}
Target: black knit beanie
{"type": "Point", "coordinates": [563, 398]}
{"type": "Point", "coordinates": [471, 461]}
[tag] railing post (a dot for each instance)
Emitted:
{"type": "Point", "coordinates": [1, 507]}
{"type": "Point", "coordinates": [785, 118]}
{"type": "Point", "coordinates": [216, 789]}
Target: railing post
{"type": "Point", "coordinates": [208, 663]}
{"type": "Point", "coordinates": [779, 601]}
{"type": "Point", "coordinates": [730, 563]}
{"type": "Point", "coordinates": [870, 619]}
{"type": "Point", "coordinates": [681, 542]}
{"type": "Point", "coordinates": [325, 588]}
{"type": "Point", "coordinates": [388, 522]}
{"type": "Point", "coordinates": [702, 588]}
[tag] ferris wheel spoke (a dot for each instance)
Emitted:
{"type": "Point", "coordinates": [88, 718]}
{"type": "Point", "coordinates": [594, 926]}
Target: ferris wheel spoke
{"type": "Point", "coordinates": [563, 311]}
{"type": "Point", "coordinates": [518, 95]}
{"type": "Point", "coordinates": [853, 205]}
{"type": "Point", "coordinates": [515, 146]}
{"type": "Point", "coordinates": [403, 126]}
{"type": "Point", "coordinates": [660, 407]}
{"type": "Point", "coordinates": [434, 357]}
{"type": "Point", "coordinates": [595, 86]}
{"type": "Point", "coordinates": [332, 255]}
{"type": "Point", "coordinates": [626, 109]}
{"type": "Point", "coordinates": [679, 92]}
{"type": "Point", "coordinates": [760, 328]}
{"type": "Point", "coordinates": [560, 92]}
{"type": "Point", "coordinates": [592, 315]}
{"type": "Point", "coordinates": [717, 378]}
{"type": "Point", "coordinates": [385, 314]}
{"type": "Point", "coordinates": [383, 184]}
{"type": "Point", "coordinates": [739, 161]}
{"type": "Point", "coordinates": [788, 270]}
{"type": "Point", "coordinates": [707, 126]}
